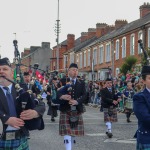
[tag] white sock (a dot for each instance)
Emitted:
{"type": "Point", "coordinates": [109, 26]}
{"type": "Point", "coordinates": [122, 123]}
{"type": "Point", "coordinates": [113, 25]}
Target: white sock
{"type": "Point", "coordinates": [108, 125]}
{"type": "Point", "coordinates": [73, 141]}
{"type": "Point", "coordinates": [67, 142]}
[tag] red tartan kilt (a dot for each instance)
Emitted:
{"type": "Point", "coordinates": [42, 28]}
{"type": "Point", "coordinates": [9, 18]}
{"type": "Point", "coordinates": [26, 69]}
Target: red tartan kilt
{"type": "Point", "coordinates": [64, 126]}
{"type": "Point", "coordinates": [108, 117]}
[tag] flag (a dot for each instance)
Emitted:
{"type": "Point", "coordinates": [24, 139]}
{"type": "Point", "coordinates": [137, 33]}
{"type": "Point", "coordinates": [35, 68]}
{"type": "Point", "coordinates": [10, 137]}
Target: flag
{"type": "Point", "coordinates": [15, 74]}
{"type": "Point", "coordinates": [39, 75]}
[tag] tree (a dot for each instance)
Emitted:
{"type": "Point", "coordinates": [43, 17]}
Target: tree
{"type": "Point", "coordinates": [128, 64]}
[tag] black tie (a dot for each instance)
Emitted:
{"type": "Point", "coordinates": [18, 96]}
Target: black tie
{"type": "Point", "coordinates": [10, 102]}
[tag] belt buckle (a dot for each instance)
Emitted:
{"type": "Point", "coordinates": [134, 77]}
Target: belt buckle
{"type": "Point", "coordinates": [73, 108]}
{"type": "Point", "coordinates": [10, 135]}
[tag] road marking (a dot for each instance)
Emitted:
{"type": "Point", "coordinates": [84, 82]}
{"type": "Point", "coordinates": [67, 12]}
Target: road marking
{"type": "Point", "coordinates": [96, 134]}
{"type": "Point", "coordinates": [126, 141]}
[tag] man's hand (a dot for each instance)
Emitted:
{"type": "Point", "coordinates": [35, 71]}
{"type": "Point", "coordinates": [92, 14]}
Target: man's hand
{"type": "Point", "coordinates": [48, 93]}
{"type": "Point", "coordinates": [119, 99]}
{"type": "Point", "coordinates": [115, 102]}
{"type": "Point", "coordinates": [66, 97]}
{"type": "Point", "coordinates": [73, 102]}
{"type": "Point", "coordinates": [29, 114]}
{"type": "Point", "coordinates": [15, 122]}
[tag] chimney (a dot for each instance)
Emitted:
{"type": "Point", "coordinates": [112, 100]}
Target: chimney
{"type": "Point", "coordinates": [91, 32]}
{"type": "Point", "coordinates": [84, 36]}
{"type": "Point", "coordinates": [45, 45]}
{"type": "Point", "coordinates": [109, 28]}
{"type": "Point", "coordinates": [70, 41]}
{"type": "Point", "coordinates": [144, 9]}
{"type": "Point", "coordinates": [100, 29]}
{"type": "Point", "coordinates": [120, 23]}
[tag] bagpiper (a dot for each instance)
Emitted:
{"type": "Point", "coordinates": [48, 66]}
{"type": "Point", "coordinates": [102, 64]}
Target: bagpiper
{"type": "Point", "coordinates": [141, 108]}
{"type": "Point", "coordinates": [71, 108]}
{"type": "Point", "coordinates": [14, 135]}
{"type": "Point", "coordinates": [109, 103]}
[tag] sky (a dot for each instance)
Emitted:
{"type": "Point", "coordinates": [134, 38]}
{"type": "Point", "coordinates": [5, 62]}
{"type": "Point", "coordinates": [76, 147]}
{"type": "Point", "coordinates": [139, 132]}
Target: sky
{"type": "Point", "coordinates": [32, 22]}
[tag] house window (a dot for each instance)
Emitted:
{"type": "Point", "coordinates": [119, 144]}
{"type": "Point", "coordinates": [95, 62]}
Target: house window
{"type": "Point", "coordinates": [80, 60]}
{"type": "Point", "coordinates": [89, 57]}
{"type": "Point", "coordinates": [140, 37]}
{"type": "Point", "coordinates": [132, 44]}
{"type": "Point", "coordinates": [77, 59]}
{"type": "Point", "coordinates": [101, 54]}
{"type": "Point", "coordinates": [71, 57]}
{"type": "Point", "coordinates": [117, 71]}
{"type": "Point", "coordinates": [149, 37]}
{"type": "Point", "coordinates": [123, 47]}
{"type": "Point", "coordinates": [108, 53]}
{"type": "Point", "coordinates": [85, 59]}
{"type": "Point", "coordinates": [117, 49]}
{"type": "Point", "coordinates": [95, 56]}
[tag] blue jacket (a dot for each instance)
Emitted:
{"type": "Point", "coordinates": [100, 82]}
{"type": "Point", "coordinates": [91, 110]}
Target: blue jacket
{"type": "Point", "coordinates": [141, 108]}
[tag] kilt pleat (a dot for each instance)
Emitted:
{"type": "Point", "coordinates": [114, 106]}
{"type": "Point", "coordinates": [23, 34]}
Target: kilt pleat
{"type": "Point", "coordinates": [140, 146]}
{"type": "Point", "coordinates": [64, 126]}
{"type": "Point", "coordinates": [110, 114]}
{"type": "Point", "coordinates": [21, 144]}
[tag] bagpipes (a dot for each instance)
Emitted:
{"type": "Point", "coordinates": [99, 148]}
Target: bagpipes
{"type": "Point", "coordinates": [25, 100]}
{"type": "Point", "coordinates": [67, 88]}
{"type": "Point", "coordinates": [147, 58]}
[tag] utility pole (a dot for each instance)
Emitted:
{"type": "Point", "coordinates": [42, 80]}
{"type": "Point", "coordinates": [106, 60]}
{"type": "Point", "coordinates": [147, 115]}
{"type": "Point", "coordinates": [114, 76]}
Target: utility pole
{"type": "Point", "coordinates": [57, 30]}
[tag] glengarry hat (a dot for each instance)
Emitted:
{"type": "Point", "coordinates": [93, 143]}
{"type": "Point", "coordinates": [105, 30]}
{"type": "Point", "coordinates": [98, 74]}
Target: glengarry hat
{"type": "Point", "coordinates": [26, 73]}
{"type": "Point", "coordinates": [145, 70]}
{"type": "Point", "coordinates": [108, 79]}
{"type": "Point", "coordinates": [5, 61]}
{"type": "Point", "coordinates": [73, 65]}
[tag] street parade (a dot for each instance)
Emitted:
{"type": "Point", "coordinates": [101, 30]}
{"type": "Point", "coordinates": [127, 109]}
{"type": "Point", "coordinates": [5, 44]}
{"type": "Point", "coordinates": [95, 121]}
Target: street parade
{"type": "Point", "coordinates": [86, 93]}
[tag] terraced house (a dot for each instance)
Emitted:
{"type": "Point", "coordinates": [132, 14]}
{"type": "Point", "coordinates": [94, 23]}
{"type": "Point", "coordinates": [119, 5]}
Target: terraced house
{"type": "Point", "coordinates": [103, 49]}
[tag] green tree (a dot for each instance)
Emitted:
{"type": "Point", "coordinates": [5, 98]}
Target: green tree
{"type": "Point", "coordinates": [128, 64]}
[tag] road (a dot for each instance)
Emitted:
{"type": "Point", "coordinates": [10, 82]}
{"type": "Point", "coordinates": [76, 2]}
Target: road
{"type": "Point", "coordinates": [94, 139]}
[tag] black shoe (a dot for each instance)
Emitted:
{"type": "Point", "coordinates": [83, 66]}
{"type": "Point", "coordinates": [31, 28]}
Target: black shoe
{"type": "Point", "coordinates": [109, 134]}
{"type": "Point", "coordinates": [128, 120]}
{"type": "Point", "coordinates": [52, 119]}
{"type": "Point", "coordinates": [106, 132]}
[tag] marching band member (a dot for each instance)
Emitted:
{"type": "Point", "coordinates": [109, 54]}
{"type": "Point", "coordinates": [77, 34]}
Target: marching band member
{"type": "Point", "coordinates": [128, 98]}
{"type": "Point", "coordinates": [27, 81]}
{"type": "Point", "coordinates": [14, 133]}
{"type": "Point", "coordinates": [51, 96]}
{"type": "Point", "coordinates": [71, 108]}
{"type": "Point", "coordinates": [141, 108]}
{"type": "Point", "coordinates": [109, 103]}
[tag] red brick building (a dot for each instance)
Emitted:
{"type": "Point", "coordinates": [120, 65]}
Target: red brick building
{"type": "Point", "coordinates": [105, 46]}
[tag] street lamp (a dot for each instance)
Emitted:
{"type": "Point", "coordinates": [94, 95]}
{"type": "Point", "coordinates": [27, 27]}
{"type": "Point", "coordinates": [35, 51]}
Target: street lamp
{"type": "Point", "coordinates": [57, 30]}
{"type": "Point", "coordinates": [65, 66]}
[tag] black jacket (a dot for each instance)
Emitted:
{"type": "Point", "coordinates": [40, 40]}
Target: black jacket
{"type": "Point", "coordinates": [79, 95]}
{"type": "Point", "coordinates": [108, 97]}
{"type": "Point", "coordinates": [4, 109]}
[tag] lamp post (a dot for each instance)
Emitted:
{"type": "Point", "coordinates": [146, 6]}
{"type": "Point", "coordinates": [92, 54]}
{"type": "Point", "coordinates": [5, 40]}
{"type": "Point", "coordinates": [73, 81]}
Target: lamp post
{"type": "Point", "coordinates": [66, 64]}
{"type": "Point", "coordinates": [57, 30]}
